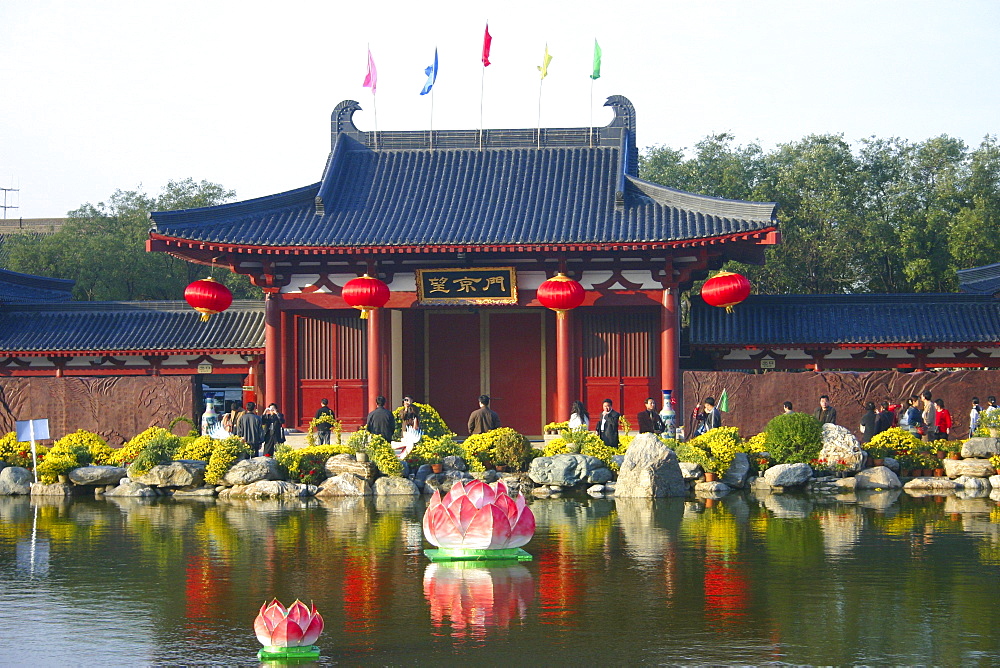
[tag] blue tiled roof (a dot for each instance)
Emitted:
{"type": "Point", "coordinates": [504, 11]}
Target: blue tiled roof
{"type": "Point", "coordinates": [18, 288]}
{"type": "Point", "coordinates": [980, 280]}
{"type": "Point", "coordinates": [775, 320]}
{"type": "Point", "coordinates": [572, 189]}
{"type": "Point", "coordinates": [127, 326]}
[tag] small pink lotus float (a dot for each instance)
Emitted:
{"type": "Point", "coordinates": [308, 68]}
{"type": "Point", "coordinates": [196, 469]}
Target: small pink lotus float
{"type": "Point", "coordinates": [477, 521]}
{"type": "Point", "coordinates": [287, 633]}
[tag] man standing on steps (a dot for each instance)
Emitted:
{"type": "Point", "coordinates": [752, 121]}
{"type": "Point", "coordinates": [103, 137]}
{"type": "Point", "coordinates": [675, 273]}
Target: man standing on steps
{"type": "Point", "coordinates": [607, 426]}
{"type": "Point", "coordinates": [485, 419]}
{"type": "Point", "coordinates": [381, 421]}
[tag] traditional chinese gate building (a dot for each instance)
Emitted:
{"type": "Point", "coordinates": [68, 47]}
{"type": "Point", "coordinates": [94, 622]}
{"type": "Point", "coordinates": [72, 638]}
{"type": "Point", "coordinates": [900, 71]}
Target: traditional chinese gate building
{"type": "Point", "coordinates": [464, 226]}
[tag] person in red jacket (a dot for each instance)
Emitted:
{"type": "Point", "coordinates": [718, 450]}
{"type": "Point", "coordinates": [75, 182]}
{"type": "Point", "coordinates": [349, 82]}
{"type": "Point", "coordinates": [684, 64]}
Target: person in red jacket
{"type": "Point", "coordinates": [944, 422]}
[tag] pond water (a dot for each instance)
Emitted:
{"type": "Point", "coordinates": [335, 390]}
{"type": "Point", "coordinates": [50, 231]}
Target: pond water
{"type": "Point", "coordinates": [880, 578]}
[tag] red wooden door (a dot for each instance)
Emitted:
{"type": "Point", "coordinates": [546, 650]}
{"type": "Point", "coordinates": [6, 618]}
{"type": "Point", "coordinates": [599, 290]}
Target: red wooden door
{"type": "Point", "coordinates": [331, 365]}
{"type": "Point", "coordinates": [516, 370]}
{"type": "Point", "coordinates": [453, 369]}
{"type": "Point", "coordinates": [619, 360]}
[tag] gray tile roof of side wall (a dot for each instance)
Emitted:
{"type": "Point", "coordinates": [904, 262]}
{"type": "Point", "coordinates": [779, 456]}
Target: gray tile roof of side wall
{"type": "Point", "coordinates": [17, 288]}
{"type": "Point", "coordinates": [774, 320]}
{"type": "Point", "coordinates": [142, 326]}
{"type": "Point", "coordinates": [980, 280]}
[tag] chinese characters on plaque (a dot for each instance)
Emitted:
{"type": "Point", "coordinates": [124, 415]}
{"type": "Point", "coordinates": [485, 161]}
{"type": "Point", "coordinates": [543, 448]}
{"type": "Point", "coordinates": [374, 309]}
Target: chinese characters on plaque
{"type": "Point", "coordinates": [482, 285]}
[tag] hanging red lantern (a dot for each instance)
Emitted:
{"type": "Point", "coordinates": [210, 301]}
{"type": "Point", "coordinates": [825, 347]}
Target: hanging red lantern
{"type": "Point", "coordinates": [365, 293]}
{"type": "Point", "coordinates": [208, 297]}
{"type": "Point", "coordinates": [561, 293]}
{"type": "Point", "coordinates": [725, 290]}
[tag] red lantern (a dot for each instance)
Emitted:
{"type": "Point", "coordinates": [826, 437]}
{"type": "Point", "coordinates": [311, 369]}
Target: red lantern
{"type": "Point", "coordinates": [365, 293]}
{"type": "Point", "coordinates": [725, 290]}
{"type": "Point", "coordinates": [561, 293]}
{"type": "Point", "coordinates": [208, 297]}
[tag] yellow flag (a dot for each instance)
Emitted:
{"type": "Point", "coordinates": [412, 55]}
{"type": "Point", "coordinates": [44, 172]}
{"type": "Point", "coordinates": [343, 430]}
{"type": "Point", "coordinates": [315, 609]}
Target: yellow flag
{"type": "Point", "coordinates": [544, 67]}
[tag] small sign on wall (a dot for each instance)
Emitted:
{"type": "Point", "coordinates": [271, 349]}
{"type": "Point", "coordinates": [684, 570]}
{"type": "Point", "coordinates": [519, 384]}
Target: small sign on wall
{"type": "Point", "coordinates": [205, 368]}
{"type": "Point", "coordinates": [481, 285]}
{"type": "Point", "coordinates": [766, 363]}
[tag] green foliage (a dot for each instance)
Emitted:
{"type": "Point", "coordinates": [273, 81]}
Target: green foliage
{"type": "Point", "coordinates": [159, 450]}
{"type": "Point", "coordinates": [589, 443]}
{"type": "Point", "coordinates": [793, 438]}
{"type": "Point", "coordinates": [433, 450]}
{"type": "Point", "coordinates": [70, 452]}
{"type": "Point", "coordinates": [989, 420]}
{"type": "Point", "coordinates": [192, 427]}
{"type": "Point", "coordinates": [431, 422]}
{"type": "Point", "coordinates": [556, 427]}
{"type": "Point", "coordinates": [498, 446]}
{"type": "Point", "coordinates": [224, 455]}
{"type": "Point", "coordinates": [124, 455]}
{"type": "Point", "coordinates": [893, 442]}
{"type": "Point", "coordinates": [17, 453]}
{"type": "Point", "coordinates": [196, 448]}
{"type": "Point", "coordinates": [336, 426]}
{"type": "Point", "coordinates": [995, 463]}
{"type": "Point", "coordinates": [379, 451]}
{"type": "Point", "coordinates": [102, 247]}
{"type": "Point", "coordinates": [292, 459]}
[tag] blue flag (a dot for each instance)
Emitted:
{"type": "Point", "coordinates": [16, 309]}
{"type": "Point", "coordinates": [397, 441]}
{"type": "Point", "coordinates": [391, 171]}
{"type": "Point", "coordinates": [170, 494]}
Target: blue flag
{"type": "Point", "coordinates": [432, 75]}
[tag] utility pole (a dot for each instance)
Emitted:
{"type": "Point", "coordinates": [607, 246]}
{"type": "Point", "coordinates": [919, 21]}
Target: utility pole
{"type": "Point", "coordinates": [5, 205]}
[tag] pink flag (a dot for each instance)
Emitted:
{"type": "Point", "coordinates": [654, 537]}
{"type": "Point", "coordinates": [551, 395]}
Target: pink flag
{"type": "Point", "coordinates": [487, 41]}
{"type": "Point", "coordinates": [372, 77]}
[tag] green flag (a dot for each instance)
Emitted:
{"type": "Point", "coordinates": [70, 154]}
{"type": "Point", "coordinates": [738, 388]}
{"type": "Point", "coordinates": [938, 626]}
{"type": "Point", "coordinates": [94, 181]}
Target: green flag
{"type": "Point", "coordinates": [724, 402]}
{"type": "Point", "coordinates": [546, 59]}
{"type": "Point", "coordinates": [597, 61]}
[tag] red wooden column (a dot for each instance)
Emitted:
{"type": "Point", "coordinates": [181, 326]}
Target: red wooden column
{"type": "Point", "coordinates": [670, 344]}
{"type": "Point", "coordinates": [374, 356]}
{"type": "Point", "coordinates": [272, 352]}
{"type": "Point", "coordinates": [564, 365]}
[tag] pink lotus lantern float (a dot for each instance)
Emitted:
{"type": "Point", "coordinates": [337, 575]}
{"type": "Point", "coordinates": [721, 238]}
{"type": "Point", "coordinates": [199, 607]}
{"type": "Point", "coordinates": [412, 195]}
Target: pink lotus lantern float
{"type": "Point", "coordinates": [478, 521]}
{"type": "Point", "coordinates": [287, 633]}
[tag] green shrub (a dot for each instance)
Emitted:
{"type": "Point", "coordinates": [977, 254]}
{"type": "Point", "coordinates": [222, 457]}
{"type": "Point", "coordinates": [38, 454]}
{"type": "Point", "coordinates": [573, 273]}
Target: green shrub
{"type": "Point", "coordinates": [431, 422]}
{"type": "Point", "coordinates": [498, 446]}
{"type": "Point", "coordinates": [197, 448]}
{"type": "Point", "coordinates": [124, 455]}
{"type": "Point", "coordinates": [99, 452]}
{"type": "Point", "coordinates": [893, 442]}
{"type": "Point", "coordinates": [159, 450]}
{"type": "Point", "coordinates": [66, 454]}
{"type": "Point", "coordinates": [379, 451]}
{"type": "Point", "coordinates": [292, 459]}
{"type": "Point", "coordinates": [432, 450]}
{"type": "Point", "coordinates": [336, 426]}
{"type": "Point", "coordinates": [224, 455]}
{"type": "Point", "coordinates": [793, 438]}
{"type": "Point", "coordinates": [590, 444]}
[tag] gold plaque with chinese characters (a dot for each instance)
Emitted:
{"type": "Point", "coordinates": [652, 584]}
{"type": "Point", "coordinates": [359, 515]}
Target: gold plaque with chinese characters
{"type": "Point", "coordinates": [464, 287]}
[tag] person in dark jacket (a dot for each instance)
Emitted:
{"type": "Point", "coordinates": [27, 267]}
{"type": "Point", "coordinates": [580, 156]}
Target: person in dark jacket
{"type": "Point", "coordinates": [825, 413]}
{"type": "Point", "coordinates": [274, 429]}
{"type": "Point", "coordinates": [607, 426]}
{"type": "Point", "coordinates": [250, 428]}
{"type": "Point", "coordinates": [323, 428]}
{"type": "Point", "coordinates": [869, 422]}
{"type": "Point", "coordinates": [649, 419]}
{"type": "Point", "coordinates": [884, 418]}
{"type": "Point", "coordinates": [484, 419]}
{"type": "Point", "coordinates": [381, 420]}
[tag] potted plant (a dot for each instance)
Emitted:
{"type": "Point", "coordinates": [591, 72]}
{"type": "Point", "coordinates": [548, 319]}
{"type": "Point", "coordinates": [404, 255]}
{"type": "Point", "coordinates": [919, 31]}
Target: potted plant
{"type": "Point", "coordinates": [435, 463]}
{"type": "Point", "coordinates": [991, 422]}
{"type": "Point", "coordinates": [878, 453]}
{"type": "Point", "coordinates": [954, 449]}
{"type": "Point", "coordinates": [511, 450]}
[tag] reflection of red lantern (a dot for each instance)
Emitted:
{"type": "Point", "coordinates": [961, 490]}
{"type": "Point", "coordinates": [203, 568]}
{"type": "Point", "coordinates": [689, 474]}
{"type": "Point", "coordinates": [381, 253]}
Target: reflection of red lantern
{"type": "Point", "coordinates": [725, 290]}
{"type": "Point", "coordinates": [561, 293]}
{"type": "Point", "coordinates": [365, 293]}
{"type": "Point", "coordinates": [208, 297]}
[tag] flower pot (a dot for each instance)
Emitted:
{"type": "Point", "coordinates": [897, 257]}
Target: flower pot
{"type": "Point", "coordinates": [63, 478]}
{"type": "Point", "coordinates": [361, 456]}
{"type": "Point", "coordinates": [501, 468]}
{"type": "Point", "coordinates": [938, 473]}
{"type": "Point", "coordinates": [928, 473]}
{"type": "Point", "coordinates": [709, 476]}
{"type": "Point", "coordinates": [879, 461]}
{"type": "Point", "coordinates": [906, 473]}
{"type": "Point", "coordinates": [941, 454]}
{"type": "Point", "coordinates": [953, 455]}
{"type": "Point", "coordinates": [437, 468]}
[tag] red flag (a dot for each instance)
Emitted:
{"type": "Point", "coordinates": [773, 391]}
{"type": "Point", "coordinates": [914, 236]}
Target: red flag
{"type": "Point", "coordinates": [487, 41]}
{"type": "Point", "coordinates": [371, 78]}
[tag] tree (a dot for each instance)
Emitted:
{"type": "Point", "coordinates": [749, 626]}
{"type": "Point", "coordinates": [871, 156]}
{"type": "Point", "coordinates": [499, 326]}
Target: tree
{"type": "Point", "coordinates": [102, 247]}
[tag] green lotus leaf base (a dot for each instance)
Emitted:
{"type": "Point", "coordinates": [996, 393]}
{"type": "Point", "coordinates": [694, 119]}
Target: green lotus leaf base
{"type": "Point", "coordinates": [468, 554]}
{"type": "Point", "coordinates": [307, 652]}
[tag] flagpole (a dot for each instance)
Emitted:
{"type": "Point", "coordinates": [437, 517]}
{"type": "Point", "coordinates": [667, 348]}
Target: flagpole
{"type": "Point", "coordinates": [432, 119]}
{"type": "Point", "coordinates": [540, 82]}
{"type": "Point", "coordinates": [482, 86]}
{"type": "Point", "coordinates": [591, 112]}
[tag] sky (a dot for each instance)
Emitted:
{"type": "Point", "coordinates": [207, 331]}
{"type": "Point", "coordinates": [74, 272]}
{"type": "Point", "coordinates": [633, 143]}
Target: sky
{"type": "Point", "coordinates": [105, 94]}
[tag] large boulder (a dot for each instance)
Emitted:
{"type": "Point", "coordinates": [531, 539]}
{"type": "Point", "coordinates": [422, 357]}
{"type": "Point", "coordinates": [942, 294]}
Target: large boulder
{"type": "Point", "coordinates": [650, 470]}
{"type": "Point", "coordinates": [250, 471]}
{"type": "Point", "coordinates": [390, 485]}
{"type": "Point", "coordinates": [15, 480]}
{"type": "Point", "coordinates": [690, 471]}
{"type": "Point", "coordinates": [267, 489]}
{"type": "Point", "coordinates": [738, 472]}
{"type": "Point", "coordinates": [565, 470]}
{"type": "Point", "coordinates": [600, 476]}
{"type": "Point", "coordinates": [979, 486]}
{"type": "Point", "coordinates": [348, 464]}
{"type": "Point", "coordinates": [129, 487]}
{"type": "Point", "coordinates": [788, 475]}
{"type": "Point", "coordinates": [442, 482]}
{"type": "Point", "coordinates": [878, 477]}
{"type": "Point", "coordinates": [975, 468]}
{"type": "Point", "coordinates": [454, 463]}
{"type": "Point", "coordinates": [181, 473]}
{"type": "Point", "coordinates": [840, 444]}
{"type": "Point", "coordinates": [937, 484]}
{"type": "Point", "coordinates": [345, 484]}
{"type": "Point", "coordinates": [97, 475]}
{"type": "Point", "coordinates": [207, 491]}
{"type": "Point", "coordinates": [55, 489]}
{"type": "Point", "coordinates": [981, 447]}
